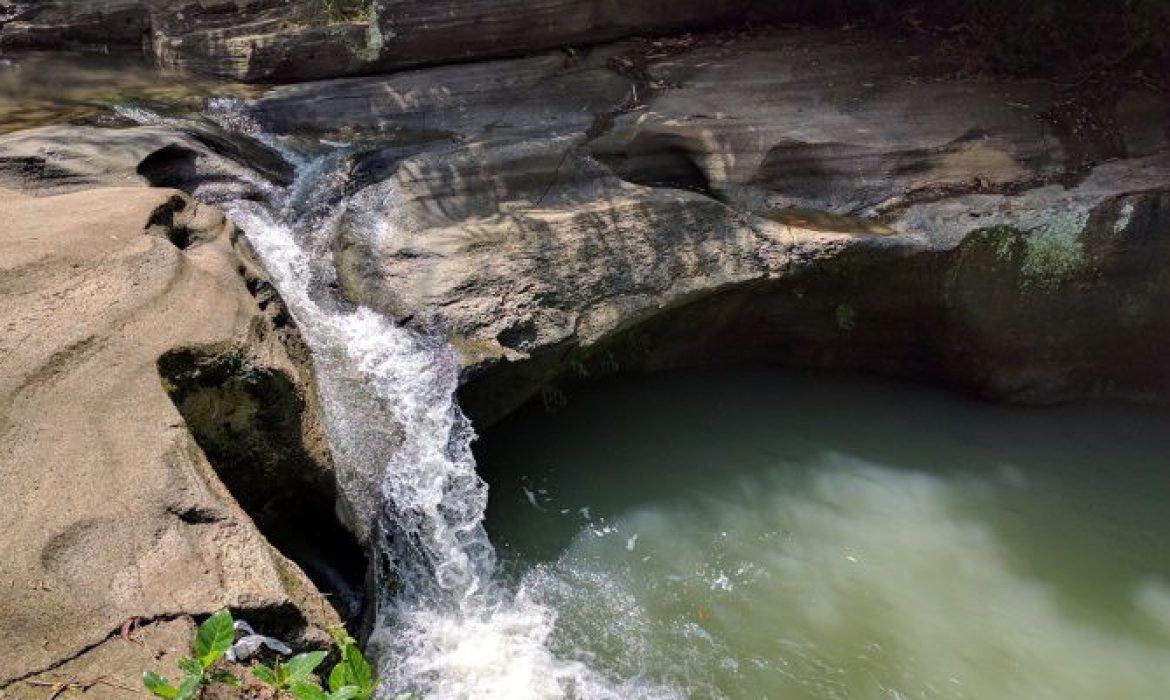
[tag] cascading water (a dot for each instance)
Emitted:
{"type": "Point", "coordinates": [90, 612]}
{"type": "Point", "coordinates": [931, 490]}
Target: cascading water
{"type": "Point", "coordinates": [446, 627]}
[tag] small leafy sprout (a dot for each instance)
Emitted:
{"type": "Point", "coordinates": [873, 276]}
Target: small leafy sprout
{"type": "Point", "coordinates": [353, 670]}
{"type": "Point", "coordinates": [308, 691]}
{"type": "Point", "coordinates": [298, 669]}
{"type": "Point", "coordinates": [213, 639]}
{"type": "Point", "coordinates": [351, 679]}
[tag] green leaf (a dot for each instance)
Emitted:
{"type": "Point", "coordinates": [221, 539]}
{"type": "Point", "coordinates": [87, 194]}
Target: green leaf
{"type": "Point", "coordinates": [190, 666]}
{"type": "Point", "coordinates": [188, 686]}
{"type": "Point", "coordinates": [307, 691]}
{"type": "Point", "coordinates": [341, 638]}
{"type": "Point", "coordinates": [360, 672]}
{"type": "Point", "coordinates": [159, 686]}
{"type": "Point", "coordinates": [301, 666]}
{"type": "Point", "coordinates": [346, 692]}
{"type": "Point", "coordinates": [338, 677]}
{"type": "Point", "coordinates": [225, 678]}
{"type": "Point", "coordinates": [265, 675]}
{"type": "Point", "coordinates": [215, 637]}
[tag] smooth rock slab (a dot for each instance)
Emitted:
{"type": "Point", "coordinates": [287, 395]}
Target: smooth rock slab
{"type": "Point", "coordinates": [61, 159]}
{"type": "Point", "coordinates": [111, 510]}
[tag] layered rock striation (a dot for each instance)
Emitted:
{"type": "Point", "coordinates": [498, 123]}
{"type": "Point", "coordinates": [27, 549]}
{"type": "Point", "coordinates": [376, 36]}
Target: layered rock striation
{"type": "Point", "coordinates": [819, 198]}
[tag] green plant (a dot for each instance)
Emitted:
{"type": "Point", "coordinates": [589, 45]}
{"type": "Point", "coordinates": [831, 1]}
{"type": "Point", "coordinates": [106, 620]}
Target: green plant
{"type": "Point", "coordinates": [298, 669]}
{"type": "Point", "coordinates": [214, 638]}
{"type": "Point", "coordinates": [351, 679]}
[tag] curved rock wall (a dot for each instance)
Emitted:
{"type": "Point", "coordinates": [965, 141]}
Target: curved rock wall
{"type": "Point", "coordinates": [554, 204]}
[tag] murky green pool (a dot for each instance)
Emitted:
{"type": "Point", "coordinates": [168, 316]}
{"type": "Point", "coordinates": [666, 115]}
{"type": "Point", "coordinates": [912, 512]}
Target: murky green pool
{"type": "Point", "coordinates": [754, 534]}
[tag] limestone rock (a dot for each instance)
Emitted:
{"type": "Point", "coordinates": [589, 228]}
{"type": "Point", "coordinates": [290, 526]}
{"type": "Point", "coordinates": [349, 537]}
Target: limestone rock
{"type": "Point", "coordinates": [55, 24]}
{"type": "Point", "coordinates": [60, 159]}
{"type": "Point", "coordinates": [256, 40]}
{"type": "Point", "coordinates": [112, 511]}
{"type": "Point", "coordinates": [264, 41]}
{"type": "Point", "coordinates": [412, 32]}
{"type": "Point", "coordinates": [290, 40]}
{"type": "Point", "coordinates": [723, 185]}
{"type": "Point", "coordinates": [541, 95]}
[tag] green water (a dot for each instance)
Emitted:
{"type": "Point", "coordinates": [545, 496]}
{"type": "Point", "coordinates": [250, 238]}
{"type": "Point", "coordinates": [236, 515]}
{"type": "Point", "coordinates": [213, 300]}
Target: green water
{"type": "Point", "coordinates": [752, 534]}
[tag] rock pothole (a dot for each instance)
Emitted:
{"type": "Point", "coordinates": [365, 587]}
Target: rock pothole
{"type": "Point", "coordinates": [659, 160]}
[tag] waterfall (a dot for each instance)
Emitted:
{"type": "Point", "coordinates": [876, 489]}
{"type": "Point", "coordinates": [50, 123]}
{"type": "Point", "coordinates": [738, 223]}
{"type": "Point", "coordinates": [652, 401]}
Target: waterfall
{"type": "Point", "coordinates": [447, 627]}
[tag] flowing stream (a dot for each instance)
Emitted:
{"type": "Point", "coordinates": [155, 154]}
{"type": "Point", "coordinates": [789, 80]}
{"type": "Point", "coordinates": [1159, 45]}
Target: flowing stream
{"type": "Point", "coordinates": [447, 627]}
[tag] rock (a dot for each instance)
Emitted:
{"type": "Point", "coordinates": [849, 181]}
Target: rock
{"type": "Point", "coordinates": [119, 662]}
{"type": "Point", "coordinates": [846, 123]}
{"type": "Point", "coordinates": [61, 159]}
{"type": "Point", "coordinates": [112, 509]}
{"type": "Point", "coordinates": [57, 160]}
{"type": "Point", "coordinates": [94, 24]}
{"type": "Point", "coordinates": [257, 40]}
{"type": "Point", "coordinates": [806, 197]}
{"type": "Point", "coordinates": [411, 32]}
{"type": "Point", "coordinates": [1058, 293]}
{"type": "Point", "coordinates": [542, 95]}
{"type": "Point", "coordinates": [262, 41]}
{"type": "Point", "coordinates": [293, 40]}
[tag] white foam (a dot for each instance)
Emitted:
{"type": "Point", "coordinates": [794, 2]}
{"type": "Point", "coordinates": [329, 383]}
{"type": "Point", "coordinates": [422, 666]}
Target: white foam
{"type": "Point", "coordinates": [402, 449]}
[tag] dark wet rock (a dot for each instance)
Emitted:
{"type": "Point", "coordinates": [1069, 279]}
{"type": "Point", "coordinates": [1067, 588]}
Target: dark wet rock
{"type": "Point", "coordinates": [263, 41]}
{"type": "Point", "coordinates": [96, 24]}
{"type": "Point", "coordinates": [293, 40]}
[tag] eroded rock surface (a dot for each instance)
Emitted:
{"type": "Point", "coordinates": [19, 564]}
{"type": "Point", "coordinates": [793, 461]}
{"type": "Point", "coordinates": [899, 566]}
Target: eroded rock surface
{"type": "Point", "coordinates": [827, 199]}
{"type": "Point", "coordinates": [60, 159]}
{"type": "Point", "coordinates": [547, 207]}
{"type": "Point", "coordinates": [112, 510]}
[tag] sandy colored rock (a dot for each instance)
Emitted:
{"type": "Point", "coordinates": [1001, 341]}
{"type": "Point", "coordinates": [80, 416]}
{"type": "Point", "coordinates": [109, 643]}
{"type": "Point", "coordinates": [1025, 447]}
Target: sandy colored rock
{"type": "Point", "coordinates": [53, 160]}
{"type": "Point", "coordinates": [111, 510]}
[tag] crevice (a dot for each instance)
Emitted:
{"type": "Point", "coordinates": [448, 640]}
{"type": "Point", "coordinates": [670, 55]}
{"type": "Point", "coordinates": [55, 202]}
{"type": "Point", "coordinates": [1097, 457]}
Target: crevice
{"type": "Point", "coordinates": [283, 621]}
{"type": "Point", "coordinates": [194, 515]}
{"type": "Point", "coordinates": [891, 209]}
{"type": "Point", "coordinates": [58, 663]}
{"type": "Point", "coordinates": [164, 221]}
{"type": "Point", "coordinates": [248, 420]}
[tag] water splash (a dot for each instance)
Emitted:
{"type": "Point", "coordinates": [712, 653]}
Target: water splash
{"type": "Point", "coordinates": [446, 627]}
